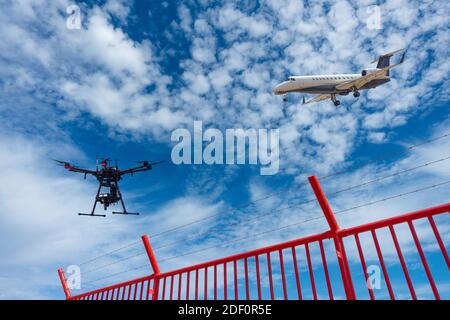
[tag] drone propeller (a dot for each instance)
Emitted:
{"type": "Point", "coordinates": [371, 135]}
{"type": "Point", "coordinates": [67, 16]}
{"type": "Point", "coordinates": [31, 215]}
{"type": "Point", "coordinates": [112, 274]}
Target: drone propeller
{"type": "Point", "coordinates": [147, 163]}
{"type": "Point", "coordinates": [144, 163]}
{"type": "Point", "coordinates": [62, 163]}
{"type": "Point", "coordinates": [157, 162]}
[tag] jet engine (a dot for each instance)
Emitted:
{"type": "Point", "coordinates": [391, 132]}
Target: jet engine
{"type": "Point", "coordinates": [368, 71]}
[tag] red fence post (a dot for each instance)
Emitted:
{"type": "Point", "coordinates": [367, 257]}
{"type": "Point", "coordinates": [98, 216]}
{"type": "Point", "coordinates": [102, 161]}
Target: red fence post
{"type": "Point", "coordinates": [154, 263]}
{"type": "Point", "coordinates": [62, 277]}
{"type": "Point", "coordinates": [334, 227]}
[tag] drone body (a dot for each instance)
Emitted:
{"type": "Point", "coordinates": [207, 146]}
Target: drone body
{"type": "Point", "coordinates": [108, 177]}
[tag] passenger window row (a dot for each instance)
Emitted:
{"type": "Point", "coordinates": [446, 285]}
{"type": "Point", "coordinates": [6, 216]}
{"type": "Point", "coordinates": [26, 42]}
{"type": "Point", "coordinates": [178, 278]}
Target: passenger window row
{"type": "Point", "coordinates": [327, 78]}
{"type": "Point", "coordinates": [333, 78]}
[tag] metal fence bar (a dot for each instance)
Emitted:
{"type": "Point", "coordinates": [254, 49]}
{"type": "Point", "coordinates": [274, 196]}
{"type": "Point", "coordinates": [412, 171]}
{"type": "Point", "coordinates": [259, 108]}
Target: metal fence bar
{"type": "Point", "coordinates": [364, 266]}
{"type": "Point", "coordinates": [171, 287]}
{"type": "Point", "coordinates": [236, 289]}
{"type": "Point", "coordinates": [283, 276]}
{"type": "Point", "coordinates": [180, 278]}
{"type": "Point", "coordinates": [402, 262]}
{"type": "Point", "coordinates": [188, 285]}
{"type": "Point", "coordinates": [215, 282]}
{"type": "Point", "coordinates": [135, 291]}
{"type": "Point", "coordinates": [383, 266]}
{"type": "Point", "coordinates": [337, 237]}
{"type": "Point", "coordinates": [325, 270]}
{"type": "Point", "coordinates": [196, 284]}
{"type": "Point", "coordinates": [205, 294]}
{"type": "Point", "coordinates": [311, 273]}
{"type": "Point", "coordinates": [123, 293]}
{"type": "Point", "coordinates": [164, 289]}
{"type": "Point", "coordinates": [258, 277]}
{"type": "Point", "coordinates": [225, 288]}
{"type": "Point", "coordinates": [424, 261]}
{"type": "Point", "coordinates": [141, 293]}
{"type": "Point", "coordinates": [247, 289]}
{"type": "Point", "coordinates": [129, 291]}
{"type": "Point", "coordinates": [297, 276]}
{"type": "Point", "coordinates": [147, 294]}
{"type": "Point", "coordinates": [439, 240]}
{"type": "Point", "coordinates": [63, 280]}
{"type": "Point", "coordinates": [269, 270]}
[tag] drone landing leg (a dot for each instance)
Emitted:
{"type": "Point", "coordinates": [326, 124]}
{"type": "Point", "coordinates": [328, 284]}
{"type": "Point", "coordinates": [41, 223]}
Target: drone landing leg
{"type": "Point", "coordinates": [92, 214]}
{"type": "Point", "coordinates": [123, 204]}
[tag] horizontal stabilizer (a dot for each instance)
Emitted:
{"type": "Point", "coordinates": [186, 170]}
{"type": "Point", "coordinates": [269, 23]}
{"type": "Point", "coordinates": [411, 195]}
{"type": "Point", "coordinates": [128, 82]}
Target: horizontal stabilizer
{"type": "Point", "coordinates": [389, 54]}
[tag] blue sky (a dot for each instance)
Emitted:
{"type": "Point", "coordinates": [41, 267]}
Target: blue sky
{"type": "Point", "coordinates": [136, 71]}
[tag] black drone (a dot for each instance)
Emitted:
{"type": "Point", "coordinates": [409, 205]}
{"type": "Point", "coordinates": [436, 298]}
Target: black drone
{"type": "Point", "coordinates": [108, 177]}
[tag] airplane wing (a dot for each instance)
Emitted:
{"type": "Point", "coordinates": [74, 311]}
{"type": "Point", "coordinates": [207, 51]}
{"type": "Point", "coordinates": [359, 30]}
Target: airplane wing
{"type": "Point", "coordinates": [360, 82]}
{"type": "Point", "coordinates": [318, 98]}
{"type": "Point", "coordinates": [73, 168]}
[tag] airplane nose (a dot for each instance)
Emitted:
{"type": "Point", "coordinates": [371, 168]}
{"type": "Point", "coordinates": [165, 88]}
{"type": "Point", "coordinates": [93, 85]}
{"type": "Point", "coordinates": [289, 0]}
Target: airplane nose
{"type": "Point", "coordinates": [281, 88]}
{"type": "Point", "coordinates": [276, 89]}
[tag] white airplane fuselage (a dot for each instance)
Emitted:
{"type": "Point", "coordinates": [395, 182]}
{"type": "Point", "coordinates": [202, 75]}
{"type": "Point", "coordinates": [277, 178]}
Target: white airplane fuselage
{"type": "Point", "coordinates": [319, 84]}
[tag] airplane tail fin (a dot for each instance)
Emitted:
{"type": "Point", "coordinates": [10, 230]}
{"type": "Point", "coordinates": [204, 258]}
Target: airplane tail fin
{"type": "Point", "coordinates": [384, 60]}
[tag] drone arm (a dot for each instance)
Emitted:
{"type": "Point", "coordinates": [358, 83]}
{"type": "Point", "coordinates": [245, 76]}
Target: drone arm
{"type": "Point", "coordinates": [73, 168]}
{"type": "Point", "coordinates": [81, 170]}
{"type": "Point", "coordinates": [145, 165]}
{"type": "Point", "coordinates": [135, 169]}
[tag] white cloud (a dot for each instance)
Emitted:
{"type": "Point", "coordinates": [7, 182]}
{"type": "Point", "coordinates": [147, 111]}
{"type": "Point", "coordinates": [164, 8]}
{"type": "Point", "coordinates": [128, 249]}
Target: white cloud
{"type": "Point", "coordinates": [118, 8]}
{"type": "Point", "coordinates": [376, 137]}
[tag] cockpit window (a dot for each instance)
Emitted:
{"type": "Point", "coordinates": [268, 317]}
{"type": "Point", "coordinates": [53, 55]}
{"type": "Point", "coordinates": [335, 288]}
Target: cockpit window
{"type": "Point", "coordinates": [291, 79]}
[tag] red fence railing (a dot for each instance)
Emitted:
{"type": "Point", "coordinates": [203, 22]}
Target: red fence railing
{"type": "Point", "coordinates": [313, 267]}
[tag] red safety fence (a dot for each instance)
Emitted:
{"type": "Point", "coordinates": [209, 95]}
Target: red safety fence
{"type": "Point", "coordinates": [289, 271]}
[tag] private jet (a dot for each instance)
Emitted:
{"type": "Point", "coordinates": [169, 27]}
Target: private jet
{"type": "Point", "coordinates": [331, 85]}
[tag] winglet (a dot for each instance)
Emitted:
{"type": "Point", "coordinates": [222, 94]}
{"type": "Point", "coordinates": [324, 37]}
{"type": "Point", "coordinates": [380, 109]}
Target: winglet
{"type": "Point", "coordinates": [403, 57]}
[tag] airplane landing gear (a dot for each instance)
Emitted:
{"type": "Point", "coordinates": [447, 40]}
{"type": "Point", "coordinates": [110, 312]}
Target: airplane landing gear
{"type": "Point", "coordinates": [285, 97]}
{"type": "Point", "coordinates": [335, 101]}
{"type": "Point", "coordinates": [356, 93]}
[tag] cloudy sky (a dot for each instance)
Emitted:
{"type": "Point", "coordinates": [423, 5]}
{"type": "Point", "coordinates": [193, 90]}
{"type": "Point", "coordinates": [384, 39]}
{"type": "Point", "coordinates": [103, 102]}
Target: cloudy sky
{"type": "Point", "coordinates": [136, 71]}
